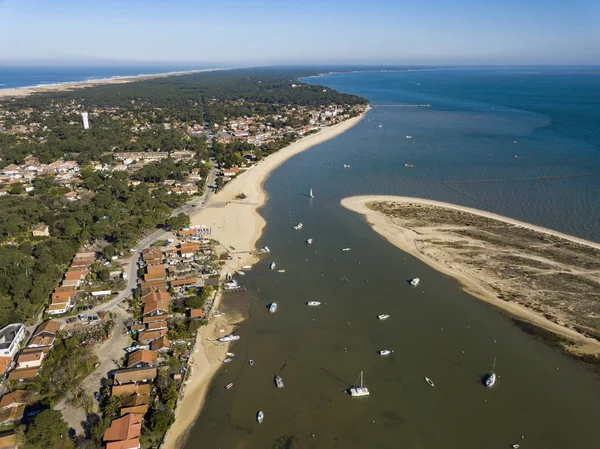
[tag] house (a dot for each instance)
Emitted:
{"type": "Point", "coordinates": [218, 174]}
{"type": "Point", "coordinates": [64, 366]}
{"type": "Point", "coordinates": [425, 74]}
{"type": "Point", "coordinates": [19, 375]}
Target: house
{"type": "Point", "coordinates": [5, 364]}
{"type": "Point", "coordinates": [41, 230]}
{"type": "Point", "coordinates": [230, 172]}
{"type": "Point", "coordinates": [137, 327]}
{"type": "Point", "coordinates": [156, 325]}
{"type": "Point", "coordinates": [59, 306]}
{"type": "Point", "coordinates": [151, 319]}
{"type": "Point", "coordinates": [124, 432]}
{"type": "Point", "coordinates": [21, 375]}
{"type": "Point", "coordinates": [188, 249]}
{"type": "Point", "coordinates": [134, 375]}
{"type": "Point", "coordinates": [44, 334]}
{"type": "Point", "coordinates": [156, 308]}
{"type": "Point", "coordinates": [11, 337]}
{"type": "Point", "coordinates": [195, 313]}
{"type": "Point", "coordinates": [136, 400]}
{"type": "Point", "coordinates": [129, 389]}
{"type": "Point", "coordinates": [30, 359]}
{"type": "Point", "coordinates": [8, 440]}
{"type": "Point", "coordinates": [146, 337]}
{"type": "Point", "coordinates": [12, 415]}
{"type": "Point", "coordinates": [156, 295]}
{"type": "Point", "coordinates": [14, 399]}
{"type": "Point", "coordinates": [74, 278]}
{"type": "Point", "coordinates": [142, 358]}
{"type": "Point", "coordinates": [66, 293]}
{"type": "Point", "coordinates": [160, 345]}
{"type": "Point", "coordinates": [184, 282]}
{"type": "Point", "coordinates": [136, 409]}
{"type": "Point", "coordinates": [71, 196]}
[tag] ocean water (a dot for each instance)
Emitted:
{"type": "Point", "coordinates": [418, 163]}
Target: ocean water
{"type": "Point", "coordinates": [463, 149]}
{"type": "Point", "coordinates": [27, 76]}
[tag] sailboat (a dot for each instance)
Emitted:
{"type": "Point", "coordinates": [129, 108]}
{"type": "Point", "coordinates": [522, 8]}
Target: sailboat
{"type": "Point", "coordinates": [361, 391]}
{"type": "Point", "coordinates": [490, 380]}
{"type": "Point", "coordinates": [311, 194]}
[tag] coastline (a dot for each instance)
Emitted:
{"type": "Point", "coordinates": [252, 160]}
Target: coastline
{"type": "Point", "coordinates": [235, 223]}
{"type": "Point", "coordinates": [19, 92]}
{"type": "Point", "coordinates": [407, 240]}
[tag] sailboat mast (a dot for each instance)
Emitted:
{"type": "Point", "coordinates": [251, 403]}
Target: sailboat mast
{"type": "Point", "coordinates": [361, 380]}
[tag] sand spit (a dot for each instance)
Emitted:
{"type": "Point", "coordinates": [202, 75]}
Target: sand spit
{"type": "Point", "coordinates": [541, 276]}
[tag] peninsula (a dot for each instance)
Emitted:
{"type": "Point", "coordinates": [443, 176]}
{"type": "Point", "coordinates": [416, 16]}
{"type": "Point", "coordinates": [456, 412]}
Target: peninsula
{"type": "Point", "coordinates": [543, 277]}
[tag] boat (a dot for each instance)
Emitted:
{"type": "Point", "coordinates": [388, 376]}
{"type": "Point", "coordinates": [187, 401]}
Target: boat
{"type": "Point", "coordinates": [384, 352]}
{"type": "Point", "coordinates": [250, 362]}
{"type": "Point", "coordinates": [309, 241]}
{"type": "Point", "coordinates": [267, 250]}
{"type": "Point", "coordinates": [227, 360]}
{"type": "Point", "coordinates": [229, 337]}
{"type": "Point", "coordinates": [346, 249]}
{"type": "Point", "coordinates": [490, 379]}
{"type": "Point", "coordinates": [246, 267]}
{"type": "Point", "coordinates": [383, 316]}
{"type": "Point", "coordinates": [218, 314]}
{"type": "Point", "coordinates": [260, 417]}
{"type": "Point", "coordinates": [278, 382]}
{"type": "Point", "coordinates": [231, 285]}
{"type": "Point", "coordinates": [230, 354]}
{"type": "Point", "coordinates": [272, 266]}
{"type": "Point", "coordinates": [241, 273]}
{"type": "Point", "coordinates": [298, 226]}
{"type": "Point", "coordinates": [273, 307]}
{"type": "Point", "coordinates": [409, 165]}
{"type": "Point", "coordinates": [311, 194]}
{"type": "Point", "coordinates": [281, 271]}
{"type": "Point", "coordinates": [414, 282]}
{"type": "Point", "coordinates": [359, 391]}
{"type": "Point", "coordinates": [346, 166]}
{"type": "Point", "coordinates": [313, 303]}
{"type": "Point", "coordinates": [229, 385]}
{"type": "Point", "coordinates": [380, 125]}
{"type": "Point", "coordinates": [516, 446]}
{"type": "Point", "coordinates": [429, 381]}
{"type": "Point", "coordinates": [409, 137]}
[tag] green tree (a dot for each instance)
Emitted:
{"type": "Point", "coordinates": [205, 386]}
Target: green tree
{"type": "Point", "coordinates": [179, 221]}
{"type": "Point", "coordinates": [160, 421]}
{"type": "Point", "coordinates": [17, 188]}
{"type": "Point", "coordinates": [48, 431]}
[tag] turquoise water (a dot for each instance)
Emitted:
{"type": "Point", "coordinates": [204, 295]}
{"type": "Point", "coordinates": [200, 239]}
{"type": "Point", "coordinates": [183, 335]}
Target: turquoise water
{"type": "Point", "coordinates": [462, 148]}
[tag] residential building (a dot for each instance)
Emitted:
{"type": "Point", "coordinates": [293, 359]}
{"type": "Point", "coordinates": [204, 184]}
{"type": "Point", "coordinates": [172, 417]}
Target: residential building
{"type": "Point", "coordinates": [160, 345]}
{"type": "Point", "coordinates": [41, 230]}
{"type": "Point", "coordinates": [142, 358]}
{"type": "Point", "coordinates": [134, 375]}
{"type": "Point", "coordinates": [8, 440]}
{"type": "Point", "coordinates": [30, 359]}
{"type": "Point", "coordinates": [14, 399]}
{"type": "Point", "coordinates": [11, 337]}
{"type": "Point", "coordinates": [146, 337]}
{"type": "Point", "coordinates": [21, 375]}
{"type": "Point", "coordinates": [124, 432]}
{"type": "Point", "coordinates": [129, 389]}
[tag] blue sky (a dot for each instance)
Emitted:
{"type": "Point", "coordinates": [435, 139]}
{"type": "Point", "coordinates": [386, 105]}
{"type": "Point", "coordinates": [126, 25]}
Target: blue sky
{"type": "Point", "coordinates": [308, 31]}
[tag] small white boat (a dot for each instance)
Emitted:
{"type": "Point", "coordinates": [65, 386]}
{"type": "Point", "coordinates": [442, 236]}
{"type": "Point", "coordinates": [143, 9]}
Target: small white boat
{"type": "Point", "coordinates": [250, 362]}
{"type": "Point", "coordinates": [260, 417]}
{"type": "Point", "coordinates": [231, 285]}
{"type": "Point", "coordinates": [409, 165]}
{"type": "Point", "coordinates": [298, 226]}
{"type": "Point", "coordinates": [273, 307]}
{"type": "Point", "coordinates": [218, 314]}
{"type": "Point", "coordinates": [490, 379]}
{"type": "Point", "coordinates": [309, 241]}
{"type": "Point", "coordinates": [359, 391]}
{"type": "Point", "coordinates": [278, 382]}
{"type": "Point", "coordinates": [311, 194]}
{"type": "Point", "coordinates": [346, 166]}
{"type": "Point", "coordinates": [409, 137]}
{"type": "Point", "coordinates": [414, 282]}
{"type": "Point", "coordinates": [516, 446]}
{"type": "Point", "coordinates": [227, 360]}
{"type": "Point", "coordinates": [241, 273]}
{"type": "Point", "coordinates": [313, 303]}
{"type": "Point", "coordinates": [380, 125]}
{"type": "Point", "coordinates": [281, 271]}
{"type": "Point", "coordinates": [272, 266]}
{"type": "Point", "coordinates": [229, 337]}
{"type": "Point", "coordinates": [229, 385]}
{"type": "Point", "coordinates": [230, 354]}
{"type": "Point", "coordinates": [383, 316]}
{"type": "Point", "coordinates": [246, 267]}
{"type": "Point", "coordinates": [384, 352]}
{"type": "Point", "coordinates": [267, 250]}
{"type": "Point", "coordinates": [346, 249]}
{"type": "Point", "coordinates": [429, 381]}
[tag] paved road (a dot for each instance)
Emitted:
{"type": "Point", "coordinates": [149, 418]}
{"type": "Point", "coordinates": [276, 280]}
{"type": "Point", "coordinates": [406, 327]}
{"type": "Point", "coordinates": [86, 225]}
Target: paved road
{"type": "Point", "coordinates": [195, 205]}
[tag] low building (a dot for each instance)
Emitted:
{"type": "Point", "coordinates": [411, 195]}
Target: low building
{"type": "Point", "coordinates": [153, 318]}
{"type": "Point", "coordinates": [142, 358]}
{"type": "Point", "coordinates": [8, 440]}
{"type": "Point", "coordinates": [12, 415]}
{"type": "Point", "coordinates": [15, 399]}
{"type": "Point", "coordinates": [195, 313]}
{"type": "Point", "coordinates": [30, 359]}
{"type": "Point", "coordinates": [157, 325]}
{"type": "Point", "coordinates": [124, 432]}
{"type": "Point", "coordinates": [130, 389]}
{"type": "Point", "coordinates": [41, 230]}
{"type": "Point", "coordinates": [11, 337]}
{"type": "Point", "coordinates": [146, 337]}
{"type": "Point", "coordinates": [134, 375]}
{"type": "Point", "coordinates": [160, 345]}
{"type": "Point", "coordinates": [44, 334]}
{"type": "Point", "coordinates": [184, 282]}
{"type": "Point", "coordinates": [156, 308]}
{"type": "Point", "coordinates": [22, 375]}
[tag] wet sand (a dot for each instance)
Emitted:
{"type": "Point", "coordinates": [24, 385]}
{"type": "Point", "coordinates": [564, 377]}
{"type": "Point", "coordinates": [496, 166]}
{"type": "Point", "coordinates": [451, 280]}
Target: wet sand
{"type": "Point", "coordinates": [430, 244]}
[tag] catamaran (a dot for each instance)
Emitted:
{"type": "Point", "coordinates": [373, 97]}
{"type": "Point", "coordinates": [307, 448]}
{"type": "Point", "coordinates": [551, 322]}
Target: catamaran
{"type": "Point", "coordinates": [311, 194]}
{"type": "Point", "coordinates": [278, 381]}
{"type": "Point", "coordinates": [414, 282]}
{"type": "Point", "coordinates": [383, 316]}
{"type": "Point", "coordinates": [260, 417]}
{"type": "Point", "coordinates": [272, 266]}
{"type": "Point", "coordinates": [298, 226]}
{"type": "Point", "coordinates": [357, 391]}
{"type": "Point", "coordinates": [273, 307]}
{"type": "Point", "coordinates": [385, 352]}
{"type": "Point", "coordinates": [490, 380]}
{"type": "Point", "coordinates": [229, 337]}
{"type": "Point", "coordinates": [313, 303]}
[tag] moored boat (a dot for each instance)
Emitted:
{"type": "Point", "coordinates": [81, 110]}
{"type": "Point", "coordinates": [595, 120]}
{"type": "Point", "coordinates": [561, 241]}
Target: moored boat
{"type": "Point", "coordinates": [250, 362]}
{"type": "Point", "coordinates": [241, 273]}
{"type": "Point", "coordinates": [313, 303]}
{"type": "Point", "coordinates": [281, 271]}
{"type": "Point", "coordinates": [278, 382]}
{"type": "Point", "coordinates": [346, 166]}
{"type": "Point", "coordinates": [429, 381]}
{"type": "Point", "coordinates": [298, 226]}
{"type": "Point", "coordinates": [414, 282]}
{"type": "Point", "coordinates": [227, 360]}
{"type": "Point", "coordinates": [385, 352]}
{"type": "Point", "coordinates": [229, 385]}
{"type": "Point", "coordinates": [260, 416]}
{"type": "Point", "coordinates": [273, 307]}
{"type": "Point", "coordinates": [230, 354]}
{"type": "Point", "coordinates": [359, 391]}
{"type": "Point", "coordinates": [383, 316]}
{"type": "Point", "coordinates": [491, 378]}
{"type": "Point", "coordinates": [346, 249]}
{"type": "Point", "coordinates": [229, 337]}
{"type": "Point", "coordinates": [272, 266]}
{"type": "Point", "coordinates": [309, 241]}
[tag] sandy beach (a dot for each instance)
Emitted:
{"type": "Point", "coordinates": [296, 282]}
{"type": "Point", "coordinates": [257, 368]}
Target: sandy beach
{"type": "Point", "coordinates": [412, 242]}
{"type": "Point", "coordinates": [58, 87]}
{"type": "Point", "coordinates": [235, 224]}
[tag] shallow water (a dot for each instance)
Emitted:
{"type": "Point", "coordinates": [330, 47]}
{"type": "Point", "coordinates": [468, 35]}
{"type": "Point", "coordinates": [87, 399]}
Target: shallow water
{"type": "Point", "coordinates": [463, 151]}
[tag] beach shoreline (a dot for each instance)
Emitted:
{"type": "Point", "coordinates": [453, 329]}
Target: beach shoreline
{"type": "Point", "coordinates": [235, 223]}
{"type": "Point", "coordinates": [409, 241]}
{"type": "Point", "coordinates": [19, 92]}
